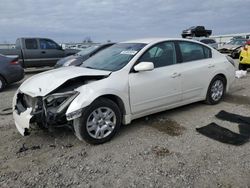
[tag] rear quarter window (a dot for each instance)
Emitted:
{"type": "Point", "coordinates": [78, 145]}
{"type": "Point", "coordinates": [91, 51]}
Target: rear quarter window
{"type": "Point", "coordinates": [193, 51]}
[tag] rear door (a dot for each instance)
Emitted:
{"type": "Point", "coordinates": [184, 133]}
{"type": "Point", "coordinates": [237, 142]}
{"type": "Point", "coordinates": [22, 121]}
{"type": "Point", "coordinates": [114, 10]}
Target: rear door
{"type": "Point", "coordinates": [197, 69]}
{"type": "Point", "coordinates": [31, 53]}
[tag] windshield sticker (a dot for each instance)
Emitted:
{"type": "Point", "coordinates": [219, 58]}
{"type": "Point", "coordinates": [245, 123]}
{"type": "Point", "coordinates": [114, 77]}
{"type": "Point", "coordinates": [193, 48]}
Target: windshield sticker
{"type": "Point", "coordinates": [130, 52]}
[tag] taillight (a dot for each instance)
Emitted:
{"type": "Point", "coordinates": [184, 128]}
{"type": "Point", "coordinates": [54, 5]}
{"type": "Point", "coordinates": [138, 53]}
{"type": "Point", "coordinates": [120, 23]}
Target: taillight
{"type": "Point", "coordinates": [15, 62]}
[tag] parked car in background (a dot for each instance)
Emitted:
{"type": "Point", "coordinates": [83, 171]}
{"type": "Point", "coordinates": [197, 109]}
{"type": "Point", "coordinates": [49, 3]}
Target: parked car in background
{"type": "Point", "coordinates": [229, 47]}
{"type": "Point", "coordinates": [196, 31]}
{"type": "Point", "coordinates": [209, 41]}
{"type": "Point", "coordinates": [78, 58]}
{"type": "Point", "coordinates": [121, 83]}
{"type": "Point", "coordinates": [235, 54]}
{"type": "Point", "coordinates": [244, 63]}
{"type": "Point", "coordinates": [10, 71]}
{"type": "Point", "coordinates": [38, 52]}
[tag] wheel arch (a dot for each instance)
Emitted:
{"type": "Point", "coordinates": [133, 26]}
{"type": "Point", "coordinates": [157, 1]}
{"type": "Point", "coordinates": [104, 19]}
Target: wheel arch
{"type": "Point", "coordinates": [207, 98]}
{"type": "Point", "coordinates": [221, 75]}
{"type": "Point", "coordinates": [116, 100]}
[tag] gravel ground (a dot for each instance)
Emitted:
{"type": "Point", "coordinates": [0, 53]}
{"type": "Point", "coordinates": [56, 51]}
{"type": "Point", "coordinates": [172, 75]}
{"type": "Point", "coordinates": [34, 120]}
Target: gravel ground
{"type": "Point", "coordinates": [161, 150]}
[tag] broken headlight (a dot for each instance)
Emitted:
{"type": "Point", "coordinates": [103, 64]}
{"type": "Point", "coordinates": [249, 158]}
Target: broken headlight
{"type": "Point", "coordinates": [60, 101]}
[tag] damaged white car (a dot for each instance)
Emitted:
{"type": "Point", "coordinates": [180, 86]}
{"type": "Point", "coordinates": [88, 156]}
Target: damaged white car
{"type": "Point", "coordinates": [124, 82]}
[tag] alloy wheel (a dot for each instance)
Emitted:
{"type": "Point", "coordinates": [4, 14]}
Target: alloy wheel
{"type": "Point", "coordinates": [217, 90]}
{"type": "Point", "coordinates": [101, 122]}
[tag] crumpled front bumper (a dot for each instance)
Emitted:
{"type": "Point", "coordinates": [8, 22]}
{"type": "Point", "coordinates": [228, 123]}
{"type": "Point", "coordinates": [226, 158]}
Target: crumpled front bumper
{"type": "Point", "coordinates": [22, 121]}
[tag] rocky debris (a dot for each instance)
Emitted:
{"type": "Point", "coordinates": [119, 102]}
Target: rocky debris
{"type": "Point", "coordinates": [160, 151]}
{"type": "Point", "coordinates": [24, 148]}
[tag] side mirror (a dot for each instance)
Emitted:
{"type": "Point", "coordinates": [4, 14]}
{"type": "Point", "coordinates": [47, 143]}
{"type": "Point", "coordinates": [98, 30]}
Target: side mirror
{"type": "Point", "coordinates": [144, 66]}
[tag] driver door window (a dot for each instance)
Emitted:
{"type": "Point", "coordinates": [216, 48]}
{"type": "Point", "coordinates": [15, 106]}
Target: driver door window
{"type": "Point", "coordinates": [162, 54]}
{"type": "Point", "coordinates": [48, 44]}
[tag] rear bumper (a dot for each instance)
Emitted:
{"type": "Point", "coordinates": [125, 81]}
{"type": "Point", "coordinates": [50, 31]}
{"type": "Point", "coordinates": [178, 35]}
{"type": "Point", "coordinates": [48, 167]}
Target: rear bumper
{"type": "Point", "coordinates": [15, 74]}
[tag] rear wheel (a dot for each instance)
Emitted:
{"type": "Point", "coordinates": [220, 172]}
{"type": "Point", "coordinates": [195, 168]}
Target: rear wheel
{"type": "Point", "coordinates": [216, 90]}
{"type": "Point", "coordinates": [242, 67]}
{"type": "Point", "coordinates": [99, 122]}
{"type": "Point", "coordinates": [2, 83]}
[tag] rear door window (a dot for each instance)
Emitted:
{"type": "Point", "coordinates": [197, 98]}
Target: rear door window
{"type": "Point", "coordinates": [31, 44]}
{"type": "Point", "coordinates": [192, 51]}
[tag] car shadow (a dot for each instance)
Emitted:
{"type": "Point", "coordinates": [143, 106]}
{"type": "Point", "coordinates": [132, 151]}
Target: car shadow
{"type": "Point", "coordinates": [160, 121]}
{"type": "Point", "coordinates": [59, 136]}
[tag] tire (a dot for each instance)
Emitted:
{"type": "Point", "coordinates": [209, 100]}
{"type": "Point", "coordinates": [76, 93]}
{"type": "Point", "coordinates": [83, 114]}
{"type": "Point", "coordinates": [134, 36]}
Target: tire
{"type": "Point", "coordinates": [242, 67]}
{"type": "Point", "coordinates": [216, 90]}
{"type": "Point", "coordinates": [92, 126]}
{"type": "Point", "coordinates": [2, 83]}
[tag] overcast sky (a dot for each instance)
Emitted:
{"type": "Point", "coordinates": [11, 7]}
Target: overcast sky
{"type": "Point", "coordinates": [118, 20]}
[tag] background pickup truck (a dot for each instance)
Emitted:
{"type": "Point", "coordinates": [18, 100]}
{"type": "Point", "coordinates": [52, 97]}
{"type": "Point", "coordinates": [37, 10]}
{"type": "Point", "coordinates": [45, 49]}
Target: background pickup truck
{"type": "Point", "coordinates": [196, 31]}
{"type": "Point", "coordinates": [37, 52]}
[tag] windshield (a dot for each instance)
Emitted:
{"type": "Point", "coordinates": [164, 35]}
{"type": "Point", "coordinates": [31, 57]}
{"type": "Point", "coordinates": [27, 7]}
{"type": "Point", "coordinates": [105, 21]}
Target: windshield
{"type": "Point", "coordinates": [87, 50]}
{"type": "Point", "coordinates": [113, 58]}
{"type": "Point", "coordinates": [237, 42]}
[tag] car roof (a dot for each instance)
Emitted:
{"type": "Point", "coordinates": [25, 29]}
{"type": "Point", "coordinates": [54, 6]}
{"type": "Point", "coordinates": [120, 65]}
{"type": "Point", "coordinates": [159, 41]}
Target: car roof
{"type": "Point", "coordinates": [156, 40]}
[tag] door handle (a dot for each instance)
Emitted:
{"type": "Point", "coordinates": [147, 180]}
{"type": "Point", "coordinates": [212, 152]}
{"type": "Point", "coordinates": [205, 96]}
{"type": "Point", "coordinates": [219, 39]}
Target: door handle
{"type": "Point", "coordinates": [211, 66]}
{"type": "Point", "coordinates": [174, 75]}
{"type": "Point", "coordinates": [43, 52]}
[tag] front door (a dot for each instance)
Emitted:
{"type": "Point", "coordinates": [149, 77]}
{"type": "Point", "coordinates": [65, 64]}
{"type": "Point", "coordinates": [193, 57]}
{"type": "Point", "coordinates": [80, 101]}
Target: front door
{"type": "Point", "coordinates": [51, 52]}
{"type": "Point", "coordinates": [160, 87]}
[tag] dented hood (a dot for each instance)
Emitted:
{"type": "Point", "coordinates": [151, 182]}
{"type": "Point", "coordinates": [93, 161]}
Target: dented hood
{"type": "Point", "coordinates": [43, 83]}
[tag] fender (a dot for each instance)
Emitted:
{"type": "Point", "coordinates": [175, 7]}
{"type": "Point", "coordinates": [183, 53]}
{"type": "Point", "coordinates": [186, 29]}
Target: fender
{"type": "Point", "coordinates": [88, 95]}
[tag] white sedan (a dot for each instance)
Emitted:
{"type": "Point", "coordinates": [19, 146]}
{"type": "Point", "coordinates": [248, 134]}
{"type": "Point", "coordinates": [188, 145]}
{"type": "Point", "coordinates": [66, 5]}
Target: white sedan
{"type": "Point", "coordinates": [124, 82]}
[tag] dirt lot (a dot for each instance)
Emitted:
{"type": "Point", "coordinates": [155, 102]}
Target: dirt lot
{"type": "Point", "coordinates": [162, 150]}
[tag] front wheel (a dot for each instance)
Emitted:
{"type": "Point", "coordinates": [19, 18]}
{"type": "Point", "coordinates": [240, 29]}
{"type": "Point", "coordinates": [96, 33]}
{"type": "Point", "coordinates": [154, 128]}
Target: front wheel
{"type": "Point", "coordinates": [99, 122]}
{"type": "Point", "coordinates": [216, 90]}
